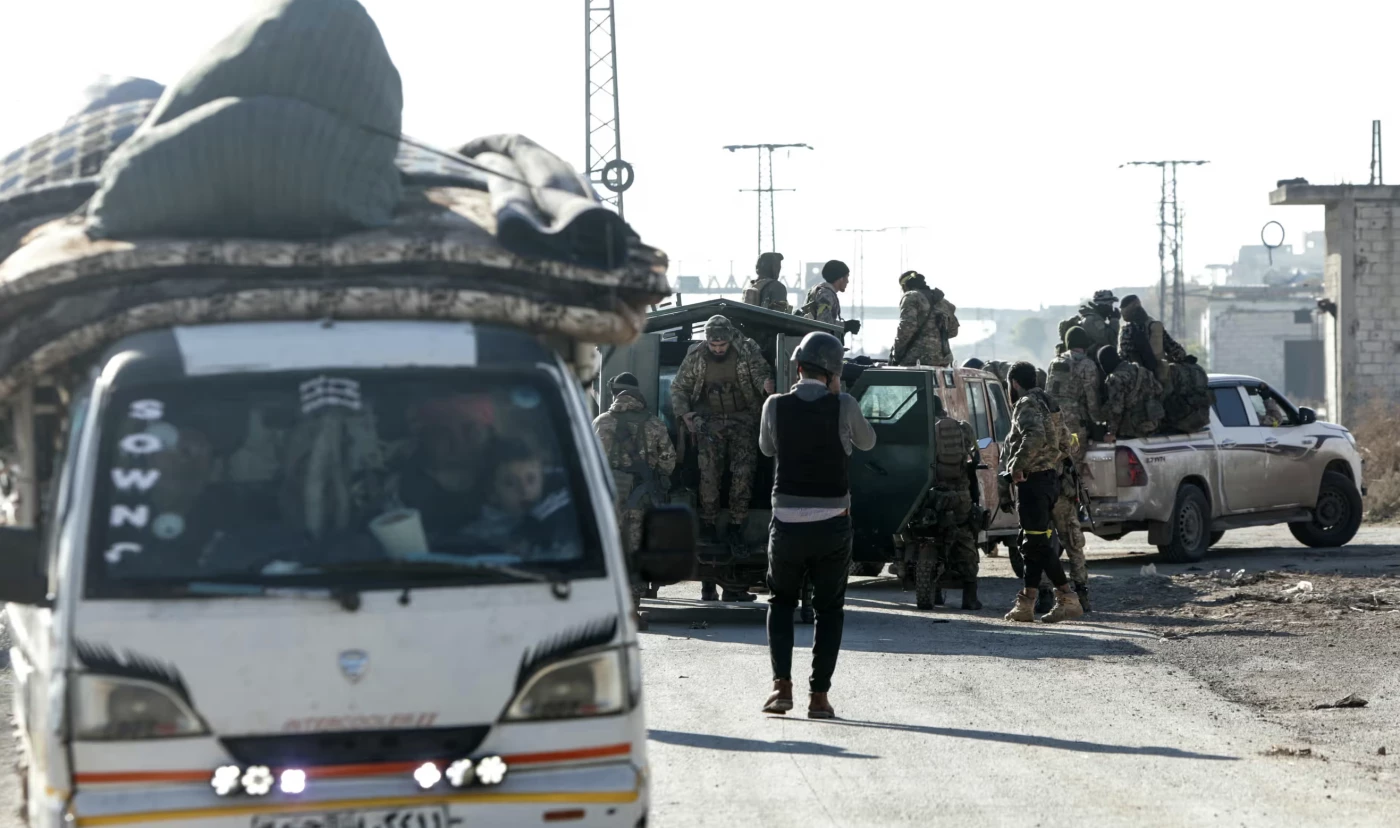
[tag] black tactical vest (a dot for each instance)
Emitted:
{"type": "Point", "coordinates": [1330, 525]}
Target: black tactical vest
{"type": "Point", "coordinates": [811, 459]}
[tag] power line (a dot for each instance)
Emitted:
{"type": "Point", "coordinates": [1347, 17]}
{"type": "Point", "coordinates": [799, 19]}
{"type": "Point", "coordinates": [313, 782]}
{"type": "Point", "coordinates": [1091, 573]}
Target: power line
{"type": "Point", "coordinates": [860, 263]}
{"type": "Point", "coordinates": [1169, 243]}
{"type": "Point", "coordinates": [770, 190]}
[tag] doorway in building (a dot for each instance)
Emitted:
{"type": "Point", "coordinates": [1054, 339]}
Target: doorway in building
{"type": "Point", "coordinates": [1303, 373]}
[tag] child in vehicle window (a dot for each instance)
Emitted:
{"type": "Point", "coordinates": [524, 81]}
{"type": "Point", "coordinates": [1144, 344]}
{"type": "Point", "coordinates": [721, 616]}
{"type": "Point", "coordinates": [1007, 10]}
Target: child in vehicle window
{"type": "Point", "coordinates": [528, 513]}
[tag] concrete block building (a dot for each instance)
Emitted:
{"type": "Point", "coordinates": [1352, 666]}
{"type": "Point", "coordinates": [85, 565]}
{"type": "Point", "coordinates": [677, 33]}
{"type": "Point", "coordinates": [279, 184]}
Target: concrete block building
{"type": "Point", "coordinates": [1272, 332]}
{"type": "Point", "coordinates": [1360, 291]}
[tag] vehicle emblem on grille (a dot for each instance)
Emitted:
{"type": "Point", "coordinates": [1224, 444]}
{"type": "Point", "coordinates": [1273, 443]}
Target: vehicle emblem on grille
{"type": "Point", "coordinates": [354, 664]}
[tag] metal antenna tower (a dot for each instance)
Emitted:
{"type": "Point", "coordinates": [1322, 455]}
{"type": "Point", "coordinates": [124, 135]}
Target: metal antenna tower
{"type": "Point", "coordinates": [1377, 174]}
{"type": "Point", "coordinates": [903, 241]}
{"type": "Point", "coordinates": [603, 142]}
{"type": "Point", "coordinates": [1169, 244]}
{"type": "Point", "coordinates": [760, 189]}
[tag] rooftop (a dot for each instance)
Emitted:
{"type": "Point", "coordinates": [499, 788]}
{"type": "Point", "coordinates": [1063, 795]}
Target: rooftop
{"type": "Point", "coordinates": [1304, 193]}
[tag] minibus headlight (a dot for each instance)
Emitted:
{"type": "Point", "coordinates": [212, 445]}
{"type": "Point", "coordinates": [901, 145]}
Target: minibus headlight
{"type": "Point", "coordinates": [106, 707]}
{"type": "Point", "coordinates": [592, 685]}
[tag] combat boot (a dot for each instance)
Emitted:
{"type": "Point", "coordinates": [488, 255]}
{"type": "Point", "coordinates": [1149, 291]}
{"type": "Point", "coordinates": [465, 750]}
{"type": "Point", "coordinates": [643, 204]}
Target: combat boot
{"type": "Point", "coordinates": [820, 707]}
{"type": "Point", "coordinates": [1025, 606]}
{"type": "Point", "coordinates": [1082, 590]}
{"type": "Point", "coordinates": [969, 591]}
{"type": "Point", "coordinates": [780, 700]}
{"type": "Point", "coordinates": [1067, 606]}
{"type": "Point", "coordinates": [708, 591]}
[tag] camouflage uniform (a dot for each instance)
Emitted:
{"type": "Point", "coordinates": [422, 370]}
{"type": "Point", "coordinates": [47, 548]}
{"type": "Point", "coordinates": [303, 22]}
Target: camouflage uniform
{"type": "Point", "coordinates": [1101, 326]}
{"type": "Point", "coordinates": [1034, 442]}
{"type": "Point", "coordinates": [1073, 383]}
{"type": "Point", "coordinates": [767, 293]}
{"type": "Point", "coordinates": [923, 318]}
{"type": "Point", "coordinates": [823, 304]}
{"type": "Point", "coordinates": [727, 395]}
{"type": "Point", "coordinates": [1129, 394]}
{"type": "Point", "coordinates": [1165, 349]}
{"type": "Point", "coordinates": [637, 447]}
{"type": "Point", "coordinates": [947, 527]}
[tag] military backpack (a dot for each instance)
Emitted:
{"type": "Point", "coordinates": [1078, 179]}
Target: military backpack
{"type": "Point", "coordinates": [1187, 407]}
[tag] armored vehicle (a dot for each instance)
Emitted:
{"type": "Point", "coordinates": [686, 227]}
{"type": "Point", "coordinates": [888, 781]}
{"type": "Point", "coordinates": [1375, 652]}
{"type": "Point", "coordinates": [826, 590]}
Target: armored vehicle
{"type": "Point", "coordinates": [888, 483]}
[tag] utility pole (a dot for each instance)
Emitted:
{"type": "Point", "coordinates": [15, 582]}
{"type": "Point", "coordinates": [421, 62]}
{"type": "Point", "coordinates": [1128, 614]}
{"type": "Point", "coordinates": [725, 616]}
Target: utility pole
{"type": "Point", "coordinates": [1377, 174]}
{"type": "Point", "coordinates": [603, 126]}
{"type": "Point", "coordinates": [860, 263]}
{"type": "Point", "coordinates": [1169, 244]}
{"type": "Point", "coordinates": [760, 189]}
{"type": "Point", "coordinates": [903, 246]}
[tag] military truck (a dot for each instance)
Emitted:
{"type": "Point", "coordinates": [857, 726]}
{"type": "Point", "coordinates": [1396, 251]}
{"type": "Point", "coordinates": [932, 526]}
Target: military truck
{"type": "Point", "coordinates": [888, 482]}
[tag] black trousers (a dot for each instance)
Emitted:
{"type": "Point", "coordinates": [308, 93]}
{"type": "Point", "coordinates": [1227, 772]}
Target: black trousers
{"type": "Point", "coordinates": [1035, 505]}
{"type": "Point", "coordinates": [818, 552]}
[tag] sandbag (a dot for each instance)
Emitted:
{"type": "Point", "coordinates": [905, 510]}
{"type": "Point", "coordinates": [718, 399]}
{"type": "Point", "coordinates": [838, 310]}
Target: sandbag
{"type": "Point", "coordinates": [1187, 407]}
{"type": "Point", "coordinates": [288, 128]}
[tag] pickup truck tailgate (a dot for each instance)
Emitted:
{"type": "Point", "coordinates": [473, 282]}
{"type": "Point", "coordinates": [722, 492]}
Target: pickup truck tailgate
{"type": "Point", "coordinates": [1102, 477]}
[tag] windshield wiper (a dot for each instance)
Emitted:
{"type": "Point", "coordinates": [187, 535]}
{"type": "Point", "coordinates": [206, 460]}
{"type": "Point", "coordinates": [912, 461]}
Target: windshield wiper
{"type": "Point", "coordinates": [559, 585]}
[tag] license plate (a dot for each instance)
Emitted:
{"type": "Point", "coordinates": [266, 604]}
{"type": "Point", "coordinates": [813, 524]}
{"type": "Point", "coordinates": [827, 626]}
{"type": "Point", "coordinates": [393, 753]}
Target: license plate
{"type": "Point", "coordinates": [425, 817]}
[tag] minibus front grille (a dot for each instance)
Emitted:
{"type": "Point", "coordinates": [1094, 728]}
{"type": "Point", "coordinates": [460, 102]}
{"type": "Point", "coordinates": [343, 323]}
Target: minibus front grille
{"type": "Point", "coordinates": [355, 747]}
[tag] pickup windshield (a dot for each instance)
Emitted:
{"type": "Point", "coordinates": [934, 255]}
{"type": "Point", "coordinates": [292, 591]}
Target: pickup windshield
{"type": "Point", "coordinates": [354, 479]}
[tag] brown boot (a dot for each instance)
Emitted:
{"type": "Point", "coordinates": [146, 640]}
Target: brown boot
{"type": "Point", "coordinates": [780, 700]}
{"type": "Point", "coordinates": [820, 708]}
{"type": "Point", "coordinates": [1025, 606]}
{"type": "Point", "coordinates": [1067, 607]}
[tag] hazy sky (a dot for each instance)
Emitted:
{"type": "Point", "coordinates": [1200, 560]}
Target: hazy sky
{"type": "Point", "coordinates": [999, 126]}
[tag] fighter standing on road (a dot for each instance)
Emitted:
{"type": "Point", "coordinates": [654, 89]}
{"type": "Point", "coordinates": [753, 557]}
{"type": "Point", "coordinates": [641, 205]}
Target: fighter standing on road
{"type": "Point", "coordinates": [717, 392]}
{"type": "Point", "coordinates": [926, 322]}
{"type": "Point", "coordinates": [641, 456]}
{"type": "Point", "coordinates": [1034, 452]}
{"type": "Point", "coordinates": [947, 526]}
{"type": "Point", "coordinates": [810, 432]}
{"type": "Point", "coordinates": [823, 303]}
{"type": "Point", "coordinates": [767, 290]}
{"type": "Point", "coordinates": [1073, 384]}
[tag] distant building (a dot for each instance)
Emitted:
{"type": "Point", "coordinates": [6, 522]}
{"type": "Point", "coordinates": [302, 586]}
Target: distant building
{"type": "Point", "coordinates": [1256, 265]}
{"type": "Point", "coordinates": [1270, 332]}
{"type": "Point", "coordinates": [1359, 304]}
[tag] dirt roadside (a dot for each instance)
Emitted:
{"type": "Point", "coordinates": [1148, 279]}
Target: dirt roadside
{"type": "Point", "coordinates": [1281, 629]}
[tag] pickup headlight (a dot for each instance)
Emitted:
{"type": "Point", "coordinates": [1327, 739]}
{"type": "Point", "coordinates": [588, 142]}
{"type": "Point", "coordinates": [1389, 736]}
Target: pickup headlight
{"type": "Point", "coordinates": [592, 685]}
{"type": "Point", "coordinates": [110, 708]}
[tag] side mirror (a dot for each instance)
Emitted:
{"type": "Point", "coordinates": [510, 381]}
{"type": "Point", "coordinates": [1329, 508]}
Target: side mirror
{"type": "Point", "coordinates": [984, 443]}
{"type": "Point", "coordinates": [667, 553]}
{"type": "Point", "coordinates": [1306, 416]}
{"type": "Point", "coordinates": [22, 579]}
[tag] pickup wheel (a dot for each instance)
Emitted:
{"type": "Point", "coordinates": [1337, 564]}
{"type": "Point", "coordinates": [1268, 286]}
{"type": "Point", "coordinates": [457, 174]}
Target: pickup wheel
{"type": "Point", "coordinates": [1190, 526]}
{"type": "Point", "coordinates": [1337, 516]}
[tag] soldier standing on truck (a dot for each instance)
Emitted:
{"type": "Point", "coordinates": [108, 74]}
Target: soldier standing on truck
{"type": "Point", "coordinates": [947, 526]}
{"type": "Point", "coordinates": [1073, 383]}
{"type": "Point", "coordinates": [823, 303]}
{"type": "Point", "coordinates": [1099, 319]}
{"type": "Point", "coordinates": [1132, 398]}
{"type": "Point", "coordinates": [766, 290]}
{"type": "Point", "coordinates": [1034, 457]}
{"type": "Point", "coordinates": [926, 322]}
{"type": "Point", "coordinates": [718, 393]}
{"type": "Point", "coordinates": [641, 456]}
{"type": "Point", "coordinates": [1144, 340]}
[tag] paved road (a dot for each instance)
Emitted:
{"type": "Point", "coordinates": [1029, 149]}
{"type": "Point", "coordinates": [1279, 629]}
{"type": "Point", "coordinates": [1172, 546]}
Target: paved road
{"type": "Point", "coordinates": [980, 720]}
{"type": "Point", "coordinates": [974, 720]}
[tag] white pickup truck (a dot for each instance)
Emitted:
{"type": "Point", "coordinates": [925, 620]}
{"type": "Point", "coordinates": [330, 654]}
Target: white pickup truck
{"type": "Point", "coordinates": [1187, 490]}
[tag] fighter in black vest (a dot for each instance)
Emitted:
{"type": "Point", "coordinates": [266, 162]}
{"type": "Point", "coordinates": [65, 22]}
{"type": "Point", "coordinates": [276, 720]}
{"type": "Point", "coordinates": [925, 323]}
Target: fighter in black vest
{"type": "Point", "coordinates": [811, 431]}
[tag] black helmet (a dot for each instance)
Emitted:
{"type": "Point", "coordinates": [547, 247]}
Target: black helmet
{"type": "Point", "coordinates": [974, 362]}
{"type": "Point", "coordinates": [820, 350]}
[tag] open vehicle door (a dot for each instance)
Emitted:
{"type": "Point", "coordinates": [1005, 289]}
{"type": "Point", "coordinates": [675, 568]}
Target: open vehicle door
{"type": "Point", "coordinates": [889, 481]}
